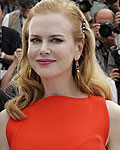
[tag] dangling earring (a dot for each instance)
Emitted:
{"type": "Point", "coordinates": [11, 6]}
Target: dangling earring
{"type": "Point", "coordinates": [29, 73]}
{"type": "Point", "coordinates": [77, 70]}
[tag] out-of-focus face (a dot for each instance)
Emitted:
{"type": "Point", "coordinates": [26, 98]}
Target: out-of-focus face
{"type": "Point", "coordinates": [115, 6]}
{"type": "Point", "coordinates": [104, 15]}
{"type": "Point", "coordinates": [24, 12]}
{"type": "Point", "coordinates": [51, 47]}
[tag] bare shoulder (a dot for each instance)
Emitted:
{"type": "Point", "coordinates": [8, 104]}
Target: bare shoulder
{"type": "Point", "coordinates": [3, 123]}
{"type": "Point", "coordinates": [114, 134]}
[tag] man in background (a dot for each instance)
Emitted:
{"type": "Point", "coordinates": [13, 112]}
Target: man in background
{"type": "Point", "coordinates": [16, 19]}
{"type": "Point", "coordinates": [10, 40]}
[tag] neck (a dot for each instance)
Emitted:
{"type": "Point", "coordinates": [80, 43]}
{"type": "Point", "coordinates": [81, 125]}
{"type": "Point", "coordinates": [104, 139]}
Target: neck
{"type": "Point", "coordinates": [61, 85]}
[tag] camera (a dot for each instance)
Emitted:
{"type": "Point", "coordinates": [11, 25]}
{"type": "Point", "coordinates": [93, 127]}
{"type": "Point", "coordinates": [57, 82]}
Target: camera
{"type": "Point", "coordinates": [118, 71]}
{"type": "Point", "coordinates": [106, 29]}
{"type": "Point", "coordinates": [85, 5]}
{"type": "Point", "coordinates": [111, 1]}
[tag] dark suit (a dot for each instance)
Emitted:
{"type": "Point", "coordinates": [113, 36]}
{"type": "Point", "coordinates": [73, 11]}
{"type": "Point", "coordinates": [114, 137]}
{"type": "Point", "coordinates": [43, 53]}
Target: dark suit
{"type": "Point", "coordinates": [11, 40]}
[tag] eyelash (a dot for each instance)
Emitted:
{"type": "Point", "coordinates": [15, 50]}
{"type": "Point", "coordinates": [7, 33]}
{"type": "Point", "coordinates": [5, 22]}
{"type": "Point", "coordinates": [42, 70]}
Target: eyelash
{"type": "Point", "coordinates": [35, 40]}
{"type": "Point", "coordinates": [55, 40]}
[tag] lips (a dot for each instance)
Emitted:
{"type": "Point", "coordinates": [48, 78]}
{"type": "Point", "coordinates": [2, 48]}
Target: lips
{"type": "Point", "coordinates": [45, 61]}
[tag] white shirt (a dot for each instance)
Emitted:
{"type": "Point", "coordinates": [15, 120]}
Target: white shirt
{"type": "Point", "coordinates": [6, 20]}
{"type": "Point", "coordinates": [114, 90]}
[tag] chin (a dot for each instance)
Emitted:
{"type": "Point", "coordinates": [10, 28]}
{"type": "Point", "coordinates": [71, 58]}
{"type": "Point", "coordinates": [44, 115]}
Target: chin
{"type": "Point", "coordinates": [47, 75]}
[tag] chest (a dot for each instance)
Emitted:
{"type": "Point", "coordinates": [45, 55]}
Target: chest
{"type": "Point", "coordinates": [62, 128]}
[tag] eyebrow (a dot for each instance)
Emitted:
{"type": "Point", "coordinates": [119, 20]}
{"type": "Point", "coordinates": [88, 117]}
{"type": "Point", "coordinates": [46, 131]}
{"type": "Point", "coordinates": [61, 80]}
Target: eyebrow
{"type": "Point", "coordinates": [54, 35]}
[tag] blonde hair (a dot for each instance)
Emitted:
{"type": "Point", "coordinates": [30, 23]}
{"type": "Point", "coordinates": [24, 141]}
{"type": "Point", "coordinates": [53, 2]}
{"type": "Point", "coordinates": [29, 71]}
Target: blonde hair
{"type": "Point", "coordinates": [92, 79]}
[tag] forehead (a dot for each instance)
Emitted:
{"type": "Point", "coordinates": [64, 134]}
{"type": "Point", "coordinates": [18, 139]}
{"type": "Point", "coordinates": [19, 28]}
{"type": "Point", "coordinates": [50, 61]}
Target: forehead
{"type": "Point", "coordinates": [103, 16]}
{"type": "Point", "coordinates": [52, 22]}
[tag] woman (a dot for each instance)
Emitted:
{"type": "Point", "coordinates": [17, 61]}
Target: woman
{"type": "Point", "coordinates": [62, 90]}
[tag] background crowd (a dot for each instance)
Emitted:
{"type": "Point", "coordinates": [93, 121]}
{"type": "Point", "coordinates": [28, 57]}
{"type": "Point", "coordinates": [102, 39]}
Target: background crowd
{"type": "Point", "coordinates": [104, 19]}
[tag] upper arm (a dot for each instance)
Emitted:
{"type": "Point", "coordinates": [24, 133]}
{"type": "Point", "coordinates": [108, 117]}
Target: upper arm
{"type": "Point", "coordinates": [114, 134]}
{"type": "Point", "coordinates": [3, 122]}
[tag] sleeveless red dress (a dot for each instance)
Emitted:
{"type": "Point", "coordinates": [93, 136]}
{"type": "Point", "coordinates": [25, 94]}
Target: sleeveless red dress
{"type": "Point", "coordinates": [61, 123]}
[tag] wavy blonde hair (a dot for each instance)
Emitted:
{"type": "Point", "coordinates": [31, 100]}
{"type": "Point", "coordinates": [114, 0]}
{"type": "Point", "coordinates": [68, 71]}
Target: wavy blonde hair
{"type": "Point", "coordinates": [92, 79]}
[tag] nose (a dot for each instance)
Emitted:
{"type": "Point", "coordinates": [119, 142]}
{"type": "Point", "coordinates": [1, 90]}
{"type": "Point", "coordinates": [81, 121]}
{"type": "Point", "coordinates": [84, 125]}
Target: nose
{"type": "Point", "coordinates": [44, 50]}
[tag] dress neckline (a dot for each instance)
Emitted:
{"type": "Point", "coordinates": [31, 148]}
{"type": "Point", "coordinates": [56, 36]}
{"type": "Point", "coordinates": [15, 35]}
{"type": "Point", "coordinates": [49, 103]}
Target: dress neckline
{"type": "Point", "coordinates": [65, 97]}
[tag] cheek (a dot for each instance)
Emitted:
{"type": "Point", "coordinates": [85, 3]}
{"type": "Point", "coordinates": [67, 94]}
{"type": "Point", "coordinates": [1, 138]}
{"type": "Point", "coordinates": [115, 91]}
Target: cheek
{"type": "Point", "coordinates": [31, 53]}
{"type": "Point", "coordinates": [67, 54]}
{"type": "Point", "coordinates": [70, 51]}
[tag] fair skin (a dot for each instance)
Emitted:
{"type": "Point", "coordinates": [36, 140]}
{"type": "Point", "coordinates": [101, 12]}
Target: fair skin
{"type": "Point", "coordinates": [117, 20]}
{"type": "Point", "coordinates": [47, 50]}
{"type": "Point", "coordinates": [53, 41]}
{"type": "Point", "coordinates": [114, 74]}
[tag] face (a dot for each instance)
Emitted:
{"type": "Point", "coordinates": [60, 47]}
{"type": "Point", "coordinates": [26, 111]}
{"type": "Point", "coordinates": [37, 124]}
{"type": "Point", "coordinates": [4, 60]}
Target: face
{"type": "Point", "coordinates": [24, 12]}
{"type": "Point", "coordinates": [115, 6]}
{"type": "Point", "coordinates": [51, 47]}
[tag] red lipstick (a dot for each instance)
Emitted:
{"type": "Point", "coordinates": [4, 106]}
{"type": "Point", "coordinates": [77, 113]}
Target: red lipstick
{"type": "Point", "coordinates": [45, 61]}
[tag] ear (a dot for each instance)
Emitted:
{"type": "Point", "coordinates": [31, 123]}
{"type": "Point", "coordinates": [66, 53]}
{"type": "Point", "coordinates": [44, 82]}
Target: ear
{"type": "Point", "coordinates": [79, 49]}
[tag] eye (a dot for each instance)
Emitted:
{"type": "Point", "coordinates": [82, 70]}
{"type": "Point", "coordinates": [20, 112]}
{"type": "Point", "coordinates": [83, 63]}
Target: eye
{"type": "Point", "coordinates": [35, 40]}
{"type": "Point", "coordinates": [57, 40]}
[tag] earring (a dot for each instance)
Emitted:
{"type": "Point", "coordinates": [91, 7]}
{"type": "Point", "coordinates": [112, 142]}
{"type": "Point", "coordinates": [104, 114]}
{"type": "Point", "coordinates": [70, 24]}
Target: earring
{"type": "Point", "coordinates": [29, 73]}
{"type": "Point", "coordinates": [77, 70]}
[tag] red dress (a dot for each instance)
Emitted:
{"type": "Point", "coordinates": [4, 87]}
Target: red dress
{"type": "Point", "coordinates": [61, 123]}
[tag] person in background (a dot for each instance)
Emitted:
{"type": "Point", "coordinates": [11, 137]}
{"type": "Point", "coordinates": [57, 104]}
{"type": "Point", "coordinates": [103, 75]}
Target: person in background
{"type": "Point", "coordinates": [114, 5]}
{"type": "Point", "coordinates": [104, 42]}
{"type": "Point", "coordinates": [10, 40]}
{"type": "Point", "coordinates": [6, 78]}
{"type": "Point", "coordinates": [10, 5]}
{"type": "Point", "coordinates": [115, 73]}
{"type": "Point", "coordinates": [85, 7]}
{"type": "Point", "coordinates": [97, 5]}
{"type": "Point", "coordinates": [105, 45]}
{"type": "Point", "coordinates": [7, 91]}
{"type": "Point", "coordinates": [64, 96]}
{"type": "Point", "coordinates": [90, 8]}
{"type": "Point", "coordinates": [16, 19]}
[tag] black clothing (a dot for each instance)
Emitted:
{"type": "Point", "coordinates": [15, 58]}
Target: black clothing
{"type": "Point", "coordinates": [5, 96]}
{"type": "Point", "coordinates": [11, 40]}
{"type": "Point", "coordinates": [116, 55]}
